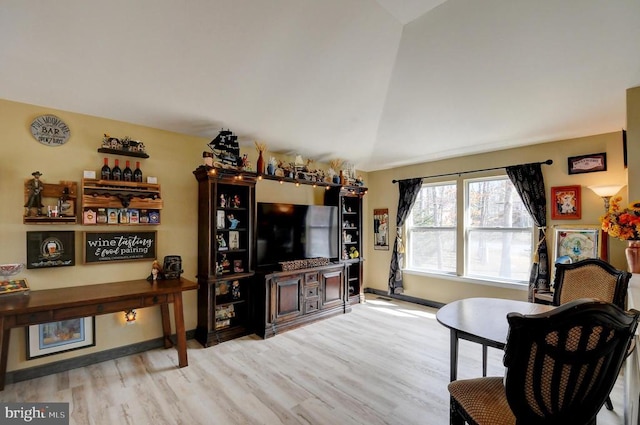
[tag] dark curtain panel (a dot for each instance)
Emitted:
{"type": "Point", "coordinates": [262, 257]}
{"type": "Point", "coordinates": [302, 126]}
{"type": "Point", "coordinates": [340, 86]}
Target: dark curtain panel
{"type": "Point", "coordinates": [409, 190]}
{"type": "Point", "coordinates": [529, 183]}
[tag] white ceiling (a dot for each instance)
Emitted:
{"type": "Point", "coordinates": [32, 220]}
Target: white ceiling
{"type": "Point", "coordinates": [379, 82]}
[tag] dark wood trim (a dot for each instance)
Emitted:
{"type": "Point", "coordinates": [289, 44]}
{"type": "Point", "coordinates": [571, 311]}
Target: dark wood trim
{"type": "Point", "coordinates": [87, 360]}
{"type": "Point", "coordinates": [407, 298]}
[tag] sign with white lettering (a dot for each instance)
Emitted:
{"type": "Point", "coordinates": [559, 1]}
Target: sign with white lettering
{"type": "Point", "coordinates": [107, 247]}
{"type": "Point", "coordinates": [50, 130]}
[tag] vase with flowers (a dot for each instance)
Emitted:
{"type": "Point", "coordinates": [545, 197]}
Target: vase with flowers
{"type": "Point", "coordinates": [624, 224]}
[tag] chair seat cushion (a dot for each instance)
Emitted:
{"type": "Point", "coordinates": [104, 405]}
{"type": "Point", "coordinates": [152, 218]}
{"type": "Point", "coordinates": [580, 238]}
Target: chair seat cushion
{"type": "Point", "coordinates": [484, 400]}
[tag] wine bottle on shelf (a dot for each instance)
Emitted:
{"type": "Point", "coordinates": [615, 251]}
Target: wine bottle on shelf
{"type": "Point", "coordinates": [105, 172]}
{"type": "Point", "coordinates": [127, 174]}
{"type": "Point", "coordinates": [137, 173]}
{"type": "Point", "coordinates": [116, 172]}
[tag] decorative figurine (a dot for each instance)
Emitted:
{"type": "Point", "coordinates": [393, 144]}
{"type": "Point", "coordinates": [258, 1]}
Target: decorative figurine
{"type": "Point", "coordinates": [35, 194]}
{"type": "Point", "coordinates": [223, 201]}
{"type": "Point", "coordinates": [156, 272]}
{"type": "Point", "coordinates": [207, 159]}
{"type": "Point", "coordinates": [234, 221]}
{"type": "Point", "coordinates": [353, 252]}
{"type": "Point", "coordinates": [235, 290]}
{"type": "Point", "coordinates": [222, 244]}
{"type": "Point", "coordinates": [225, 265]}
{"type": "Point", "coordinates": [235, 202]}
{"type": "Point", "coordinates": [345, 254]}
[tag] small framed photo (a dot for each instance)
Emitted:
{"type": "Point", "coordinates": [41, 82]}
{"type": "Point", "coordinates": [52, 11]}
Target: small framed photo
{"type": "Point", "coordinates": [50, 249]}
{"type": "Point", "coordinates": [380, 228]}
{"type": "Point", "coordinates": [234, 239]}
{"type": "Point", "coordinates": [237, 266]}
{"type": "Point", "coordinates": [57, 337]}
{"type": "Point", "coordinates": [220, 219]}
{"type": "Point", "coordinates": [566, 203]}
{"type": "Point", "coordinates": [575, 243]}
{"type": "Point", "coordinates": [588, 163]}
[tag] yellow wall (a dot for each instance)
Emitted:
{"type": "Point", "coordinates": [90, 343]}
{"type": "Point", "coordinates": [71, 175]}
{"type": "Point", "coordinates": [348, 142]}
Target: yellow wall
{"type": "Point", "coordinates": [384, 194]}
{"type": "Point", "coordinates": [173, 157]}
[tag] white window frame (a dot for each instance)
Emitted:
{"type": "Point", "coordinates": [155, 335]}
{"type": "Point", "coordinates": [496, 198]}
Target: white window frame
{"type": "Point", "coordinates": [462, 233]}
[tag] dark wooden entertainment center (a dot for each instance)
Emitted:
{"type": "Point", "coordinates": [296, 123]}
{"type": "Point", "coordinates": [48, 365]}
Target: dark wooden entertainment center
{"type": "Point", "coordinates": [236, 301]}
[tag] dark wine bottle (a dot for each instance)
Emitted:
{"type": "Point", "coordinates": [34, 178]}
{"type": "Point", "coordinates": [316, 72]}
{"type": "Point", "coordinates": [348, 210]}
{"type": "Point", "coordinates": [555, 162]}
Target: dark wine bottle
{"type": "Point", "coordinates": [137, 173]}
{"type": "Point", "coordinates": [116, 172]}
{"type": "Point", "coordinates": [127, 174]}
{"type": "Point", "coordinates": [105, 173]}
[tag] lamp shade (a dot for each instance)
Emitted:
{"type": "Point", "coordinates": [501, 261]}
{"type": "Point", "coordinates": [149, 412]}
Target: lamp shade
{"type": "Point", "coordinates": [606, 191]}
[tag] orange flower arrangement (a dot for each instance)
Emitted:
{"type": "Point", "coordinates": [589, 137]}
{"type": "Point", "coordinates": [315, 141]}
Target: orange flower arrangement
{"type": "Point", "coordinates": [620, 223]}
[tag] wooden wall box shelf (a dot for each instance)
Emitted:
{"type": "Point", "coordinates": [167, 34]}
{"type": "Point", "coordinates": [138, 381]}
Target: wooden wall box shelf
{"type": "Point", "coordinates": [120, 194]}
{"type": "Point", "coordinates": [123, 153]}
{"type": "Point", "coordinates": [51, 192]}
{"type": "Point", "coordinates": [50, 305]}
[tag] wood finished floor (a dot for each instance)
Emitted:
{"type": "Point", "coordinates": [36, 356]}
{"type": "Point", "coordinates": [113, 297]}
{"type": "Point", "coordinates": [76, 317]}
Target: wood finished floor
{"type": "Point", "coordinates": [387, 362]}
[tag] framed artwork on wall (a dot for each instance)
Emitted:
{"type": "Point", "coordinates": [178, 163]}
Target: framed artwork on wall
{"type": "Point", "coordinates": [381, 228]}
{"type": "Point", "coordinates": [575, 243]}
{"type": "Point", "coordinates": [566, 203]}
{"type": "Point", "coordinates": [57, 337]}
{"type": "Point", "coordinates": [588, 163]}
{"type": "Point", "coordinates": [50, 249]}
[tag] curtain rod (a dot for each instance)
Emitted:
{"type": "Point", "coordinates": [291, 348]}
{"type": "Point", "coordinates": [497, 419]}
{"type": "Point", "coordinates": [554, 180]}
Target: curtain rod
{"type": "Point", "coordinates": [547, 162]}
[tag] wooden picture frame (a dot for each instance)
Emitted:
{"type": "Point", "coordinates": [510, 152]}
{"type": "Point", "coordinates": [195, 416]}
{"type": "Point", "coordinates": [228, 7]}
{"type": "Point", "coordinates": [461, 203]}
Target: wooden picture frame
{"type": "Point", "coordinates": [50, 338]}
{"type": "Point", "coordinates": [587, 163]}
{"type": "Point", "coordinates": [110, 247]}
{"type": "Point", "coordinates": [566, 203]}
{"type": "Point", "coordinates": [575, 243]}
{"type": "Point", "coordinates": [50, 249]}
{"type": "Point", "coordinates": [381, 229]}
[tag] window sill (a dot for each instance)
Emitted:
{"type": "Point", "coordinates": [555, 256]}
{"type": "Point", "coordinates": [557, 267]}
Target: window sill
{"type": "Point", "coordinates": [472, 280]}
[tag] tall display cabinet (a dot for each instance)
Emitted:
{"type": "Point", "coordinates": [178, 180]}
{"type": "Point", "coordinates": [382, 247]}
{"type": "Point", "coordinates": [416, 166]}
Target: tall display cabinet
{"type": "Point", "coordinates": [226, 202]}
{"type": "Point", "coordinates": [349, 200]}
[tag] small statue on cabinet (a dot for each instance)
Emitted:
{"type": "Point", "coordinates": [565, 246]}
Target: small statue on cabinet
{"type": "Point", "coordinates": [35, 187]}
{"type": "Point", "coordinates": [222, 244]}
{"type": "Point", "coordinates": [353, 252]}
{"type": "Point", "coordinates": [225, 264]}
{"type": "Point", "coordinates": [235, 289]}
{"type": "Point", "coordinates": [234, 221]}
{"type": "Point", "coordinates": [345, 254]}
{"type": "Point", "coordinates": [235, 202]}
{"type": "Point", "coordinates": [223, 201]}
{"type": "Point", "coordinates": [156, 272]}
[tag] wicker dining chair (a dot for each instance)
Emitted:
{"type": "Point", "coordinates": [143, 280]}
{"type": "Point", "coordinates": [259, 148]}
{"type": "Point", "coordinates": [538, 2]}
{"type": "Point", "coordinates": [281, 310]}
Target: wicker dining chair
{"type": "Point", "coordinates": [591, 278]}
{"type": "Point", "coordinates": [560, 367]}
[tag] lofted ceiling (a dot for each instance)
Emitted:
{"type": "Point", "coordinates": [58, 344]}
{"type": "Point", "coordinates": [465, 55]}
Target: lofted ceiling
{"type": "Point", "coordinates": [381, 83]}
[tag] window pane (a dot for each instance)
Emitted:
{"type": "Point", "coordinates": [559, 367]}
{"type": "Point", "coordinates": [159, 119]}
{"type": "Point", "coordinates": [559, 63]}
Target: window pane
{"type": "Point", "coordinates": [435, 206]}
{"type": "Point", "coordinates": [433, 250]}
{"type": "Point", "coordinates": [499, 254]}
{"type": "Point", "coordinates": [495, 203]}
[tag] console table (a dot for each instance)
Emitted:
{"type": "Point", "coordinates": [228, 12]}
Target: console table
{"type": "Point", "coordinates": [52, 305]}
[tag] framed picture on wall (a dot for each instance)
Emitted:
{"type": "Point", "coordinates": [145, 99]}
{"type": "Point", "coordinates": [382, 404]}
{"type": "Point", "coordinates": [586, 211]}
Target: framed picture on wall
{"type": "Point", "coordinates": [588, 163]}
{"type": "Point", "coordinates": [566, 203]}
{"type": "Point", "coordinates": [50, 249]}
{"type": "Point", "coordinates": [575, 243]}
{"type": "Point", "coordinates": [57, 337]}
{"type": "Point", "coordinates": [381, 228]}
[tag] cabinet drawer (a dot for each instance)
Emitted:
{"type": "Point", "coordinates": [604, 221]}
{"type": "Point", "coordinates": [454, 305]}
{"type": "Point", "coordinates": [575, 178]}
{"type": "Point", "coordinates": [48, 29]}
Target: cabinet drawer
{"type": "Point", "coordinates": [30, 318]}
{"type": "Point", "coordinates": [311, 291]}
{"type": "Point", "coordinates": [311, 277]}
{"type": "Point", "coordinates": [311, 305]}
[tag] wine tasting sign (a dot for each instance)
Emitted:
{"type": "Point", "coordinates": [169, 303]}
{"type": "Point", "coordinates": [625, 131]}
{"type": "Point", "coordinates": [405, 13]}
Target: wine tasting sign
{"type": "Point", "coordinates": [50, 130]}
{"type": "Point", "coordinates": [107, 247]}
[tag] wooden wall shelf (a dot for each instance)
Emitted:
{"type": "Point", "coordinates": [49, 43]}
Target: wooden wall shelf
{"type": "Point", "coordinates": [51, 193]}
{"type": "Point", "coordinates": [124, 153]}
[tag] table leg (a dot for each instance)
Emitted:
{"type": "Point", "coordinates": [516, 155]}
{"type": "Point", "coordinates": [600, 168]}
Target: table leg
{"type": "Point", "coordinates": [484, 359]}
{"type": "Point", "coordinates": [454, 355]}
{"type": "Point", "coordinates": [181, 333]}
{"type": "Point", "coordinates": [166, 325]}
{"type": "Point", "coordinates": [4, 343]}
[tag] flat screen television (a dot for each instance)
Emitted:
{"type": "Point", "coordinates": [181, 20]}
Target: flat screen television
{"type": "Point", "coordinates": [288, 232]}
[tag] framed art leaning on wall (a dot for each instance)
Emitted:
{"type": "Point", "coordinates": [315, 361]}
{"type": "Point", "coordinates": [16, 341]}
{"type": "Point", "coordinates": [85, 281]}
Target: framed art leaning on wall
{"type": "Point", "coordinates": [575, 243]}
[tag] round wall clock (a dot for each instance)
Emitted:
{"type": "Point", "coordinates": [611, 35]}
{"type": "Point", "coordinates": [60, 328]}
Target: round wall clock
{"type": "Point", "coordinates": [50, 130]}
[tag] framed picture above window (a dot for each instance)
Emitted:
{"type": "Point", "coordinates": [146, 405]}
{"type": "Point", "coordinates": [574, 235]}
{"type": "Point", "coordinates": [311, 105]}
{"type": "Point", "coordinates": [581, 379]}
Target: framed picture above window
{"type": "Point", "coordinates": [566, 203]}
